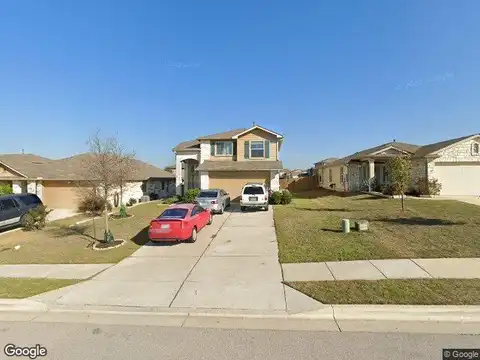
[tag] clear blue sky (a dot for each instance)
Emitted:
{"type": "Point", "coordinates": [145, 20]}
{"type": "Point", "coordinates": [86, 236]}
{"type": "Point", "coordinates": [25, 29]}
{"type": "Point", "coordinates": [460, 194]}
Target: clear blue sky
{"type": "Point", "coordinates": [333, 76]}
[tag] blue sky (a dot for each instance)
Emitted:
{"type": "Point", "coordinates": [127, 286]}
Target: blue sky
{"type": "Point", "coordinates": [333, 76]}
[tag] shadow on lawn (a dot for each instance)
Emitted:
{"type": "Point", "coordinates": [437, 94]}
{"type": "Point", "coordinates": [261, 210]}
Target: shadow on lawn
{"type": "Point", "coordinates": [318, 193]}
{"type": "Point", "coordinates": [332, 230]}
{"type": "Point", "coordinates": [323, 209]}
{"type": "Point", "coordinates": [421, 221]}
{"type": "Point", "coordinates": [64, 231]}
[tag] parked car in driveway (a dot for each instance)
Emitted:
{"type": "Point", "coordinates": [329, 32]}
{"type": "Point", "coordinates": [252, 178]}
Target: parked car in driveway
{"type": "Point", "coordinates": [217, 200]}
{"type": "Point", "coordinates": [13, 208]}
{"type": "Point", "coordinates": [180, 222]}
{"type": "Point", "coordinates": [254, 195]}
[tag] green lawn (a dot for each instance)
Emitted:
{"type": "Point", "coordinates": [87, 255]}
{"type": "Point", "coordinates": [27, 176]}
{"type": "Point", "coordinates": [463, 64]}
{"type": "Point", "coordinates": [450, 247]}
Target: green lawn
{"type": "Point", "coordinates": [402, 292]}
{"type": "Point", "coordinates": [59, 244]}
{"type": "Point", "coordinates": [308, 229]}
{"type": "Point", "coordinates": [21, 288]}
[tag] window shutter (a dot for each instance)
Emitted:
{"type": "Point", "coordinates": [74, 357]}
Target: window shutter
{"type": "Point", "coordinates": [267, 149]}
{"type": "Point", "coordinates": [234, 144]}
{"type": "Point", "coordinates": [212, 149]}
{"type": "Point", "coordinates": [247, 150]}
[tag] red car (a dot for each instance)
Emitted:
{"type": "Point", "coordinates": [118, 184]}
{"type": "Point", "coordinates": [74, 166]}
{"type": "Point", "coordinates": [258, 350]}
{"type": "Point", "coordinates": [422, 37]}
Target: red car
{"type": "Point", "coordinates": [179, 223]}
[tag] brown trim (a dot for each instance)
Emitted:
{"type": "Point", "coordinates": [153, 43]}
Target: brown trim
{"type": "Point", "coordinates": [12, 169]}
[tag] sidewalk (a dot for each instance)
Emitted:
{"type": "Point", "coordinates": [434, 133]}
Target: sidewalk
{"type": "Point", "coordinates": [52, 271]}
{"type": "Point", "coordinates": [444, 268]}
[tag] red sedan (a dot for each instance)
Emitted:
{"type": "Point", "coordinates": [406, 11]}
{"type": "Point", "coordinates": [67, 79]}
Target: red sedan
{"type": "Point", "coordinates": [179, 223]}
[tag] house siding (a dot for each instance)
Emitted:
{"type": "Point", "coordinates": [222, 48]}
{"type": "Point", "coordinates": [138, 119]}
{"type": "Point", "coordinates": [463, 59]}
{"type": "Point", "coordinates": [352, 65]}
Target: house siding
{"type": "Point", "coordinates": [419, 169]}
{"type": "Point", "coordinates": [6, 173]}
{"type": "Point", "coordinates": [335, 177]}
{"type": "Point", "coordinates": [257, 135]}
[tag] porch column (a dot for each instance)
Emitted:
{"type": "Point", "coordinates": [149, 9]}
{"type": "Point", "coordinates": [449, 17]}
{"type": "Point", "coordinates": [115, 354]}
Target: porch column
{"type": "Point", "coordinates": [204, 180]}
{"type": "Point", "coordinates": [178, 175]}
{"type": "Point", "coordinates": [371, 173]}
{"type": "Point", "coordinates": [275, 180]}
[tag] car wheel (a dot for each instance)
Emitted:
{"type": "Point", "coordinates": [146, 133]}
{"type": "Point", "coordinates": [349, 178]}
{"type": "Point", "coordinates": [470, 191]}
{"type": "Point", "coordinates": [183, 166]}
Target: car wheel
{"type": "Point", "coordinates": [242, 208]}
{"type": "Point", "coordinates": [22, 221]}
{"type": "Point", "coordinates": [265, 208]}
{"type": "Point", "coordinates": [210, 220]}
{"type": "Point", "coordinates": [222, 209]}
{"type": "Point", "coordinates": [194, 235]}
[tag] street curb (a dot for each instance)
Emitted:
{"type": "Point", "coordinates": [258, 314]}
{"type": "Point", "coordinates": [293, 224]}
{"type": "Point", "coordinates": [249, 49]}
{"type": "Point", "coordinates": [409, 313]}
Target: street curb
{"type": "Point", "coordinates": [22, 305]}
{"type": "Point", "coordinates": [434, 313]}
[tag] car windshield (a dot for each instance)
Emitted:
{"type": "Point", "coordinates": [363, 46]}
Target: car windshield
{"type": "Point", "coordinates": [253, 190]}
{"type": "Point", "coordinates": [208, 194]}
{"type": "Point", "coordinates": [174, 213]}
{"type": "Point", "coordinates": [30, 199]}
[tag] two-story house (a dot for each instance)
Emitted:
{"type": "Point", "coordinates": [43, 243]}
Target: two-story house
{"type": "Point", "coordinates": [228, 160]}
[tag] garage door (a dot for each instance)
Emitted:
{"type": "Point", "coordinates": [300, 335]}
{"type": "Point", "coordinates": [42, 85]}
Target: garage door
{"type": "Point", "coordinates": [458, 179]}
{"type": "Point", "coordinates": [233, 181]}
{"type": "Point", "coordinates": [61, 195]}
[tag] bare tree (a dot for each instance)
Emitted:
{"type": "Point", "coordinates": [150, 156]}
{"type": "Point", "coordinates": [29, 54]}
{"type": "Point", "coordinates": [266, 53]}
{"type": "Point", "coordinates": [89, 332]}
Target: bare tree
{"type": "Point", "coordinates": [107, 168]}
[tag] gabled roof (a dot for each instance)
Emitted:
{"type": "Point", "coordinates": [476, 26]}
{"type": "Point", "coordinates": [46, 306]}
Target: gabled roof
{"type": "Point", "coordinates": [430, 149]}
{"type": "Point", "coordinates": [33, 166]}
{"type": "Point", "coordinates": [226, 135]}
{"type": "Point", "coordinates": [326, 161]}
{"type": "Point", "coordinates": [258, 127]}
{"type": "Point", "coordinates": [407, 148]}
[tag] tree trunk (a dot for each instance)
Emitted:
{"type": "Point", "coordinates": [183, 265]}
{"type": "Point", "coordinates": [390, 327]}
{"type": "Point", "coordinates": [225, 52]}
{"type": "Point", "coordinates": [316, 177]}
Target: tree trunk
{"type": "Point", "coordinates": [403, 202]}
{"type": "Point", "coordinates": [106, 211]}
{"type": "Point", "coordinates": [121, 193]}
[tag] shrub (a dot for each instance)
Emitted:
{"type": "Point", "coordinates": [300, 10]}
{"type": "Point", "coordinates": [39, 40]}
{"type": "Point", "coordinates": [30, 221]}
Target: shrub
{"type": "Point", "coordinates": [276, 198]}
{"type": "Point", "coordinates": [428, 187]}
{"type": "Point", "coordinates": [93, 204]}
{"type": "Point", "coordinates": [123, 211]}
{"type": "Point", "coordinates": [172, 200]}
{"type": "Point", "coordinates": [391, 189]}
{"type": "Point", "coordinates": [153, 196]}
{"type": "Point", "coordinates": [6, 189]}
{"type": "Point", "coordinates": [378, 188]}
{"type": "Point", "coordinates": [191, 194]}
{"type": "Point", "coordinates": [36, 218]}
{"type": "Point", "coordinates": [286, 197]}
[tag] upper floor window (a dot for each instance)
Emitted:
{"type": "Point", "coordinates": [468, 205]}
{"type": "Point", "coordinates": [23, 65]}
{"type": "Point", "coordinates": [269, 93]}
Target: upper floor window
{"type": "Point", "coordinates": [257, 149]}
{"type": "Point", "coordinates": [476, 149]}
{"type": "Point", "coordinates": [223, 148]}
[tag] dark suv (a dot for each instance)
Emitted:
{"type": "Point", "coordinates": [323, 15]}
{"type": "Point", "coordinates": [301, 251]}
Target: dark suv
{"type": "Point", "coordinates": [13, 207]}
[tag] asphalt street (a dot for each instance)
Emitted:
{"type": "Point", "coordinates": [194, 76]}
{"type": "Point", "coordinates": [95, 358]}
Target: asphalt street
{"type": "Point", "coordinates": [92, 341]}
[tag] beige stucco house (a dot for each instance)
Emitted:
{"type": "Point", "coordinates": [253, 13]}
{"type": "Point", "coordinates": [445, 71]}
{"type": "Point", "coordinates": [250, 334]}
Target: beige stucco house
{"type": "Point", "coordinates": [455, 163]}
{"type": "Point", "coordinates": [59, 182]}
{"type": "Point", "coordinates": [230, 159]}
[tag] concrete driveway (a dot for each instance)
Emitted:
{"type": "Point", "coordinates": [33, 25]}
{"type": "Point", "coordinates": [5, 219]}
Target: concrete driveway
{"type": "Point", "coordinates": [232, 265]}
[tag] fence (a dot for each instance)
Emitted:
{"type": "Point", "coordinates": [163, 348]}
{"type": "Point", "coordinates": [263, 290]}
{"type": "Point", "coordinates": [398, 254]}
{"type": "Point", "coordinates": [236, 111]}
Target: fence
{"type": "Point", "coordinates": [301, 184]}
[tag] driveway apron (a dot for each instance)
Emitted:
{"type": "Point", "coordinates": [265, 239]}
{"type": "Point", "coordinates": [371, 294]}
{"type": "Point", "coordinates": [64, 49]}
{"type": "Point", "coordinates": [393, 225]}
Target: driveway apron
{"type": "Point", "coordinates": [232, 265]}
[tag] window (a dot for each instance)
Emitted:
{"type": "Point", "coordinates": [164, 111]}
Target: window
{"type": "Point", "coordinates": [341, 174]}
{"type": "Point", "coordinates": [207, 194]}
{"type": "Point", "coordinates": [174, 213]}
{"type": "Point", "coordinates": [7, 204]}
{"type": "Point", "coordinates": [257, 149]}
{"type": "Point", "coordinates": [30, 199]}
{"type": "Point", "coordinates": [196, 210]}
{"type": "Point", "coordinates": [476, 149]}
{"type": "Point", "coordinates": [223, 148]}
{"type": "Point", "coordinates": [253, 190]}
{"type": "Point", "coordinates": [330, 176]}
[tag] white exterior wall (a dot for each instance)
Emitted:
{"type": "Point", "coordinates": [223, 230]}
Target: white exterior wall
{"type": "Point", "coordinates": [457, 156]}
{"type": "Point", "coordinates": [204, 151]}
{"type": "Point", "coordinates": [32, 187]}
{"type": "Point", "coordinates": [155, 186]}
{"type": "Point", "coordinates": [17, 187]}
{"type": "Point", "coordinates": [275, 180]}
{"type": "Point", "coordinates": [130, 190]}
{"type": "Point", "coordinates": [204, 180]}
{"type": "Point", "coordinates": [179, 157]}
{"type": "Point", "coordinates": [40, 189]}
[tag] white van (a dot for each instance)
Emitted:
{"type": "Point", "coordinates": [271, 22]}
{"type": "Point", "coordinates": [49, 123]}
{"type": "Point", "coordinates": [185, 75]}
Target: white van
{"type": "Point", "coordinates": [254, 195]}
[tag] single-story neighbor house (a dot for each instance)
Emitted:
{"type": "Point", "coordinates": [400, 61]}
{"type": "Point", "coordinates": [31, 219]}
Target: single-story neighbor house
{"type": "Point", "coordinates": [455, 163]}
{"type": "Point", "coordinates": [228, 160]}
{"type": "Point", "coordinates": [59, 182]}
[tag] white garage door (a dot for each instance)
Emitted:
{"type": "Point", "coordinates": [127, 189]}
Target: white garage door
{"type": "Point", "coordinates": [458, 179]}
